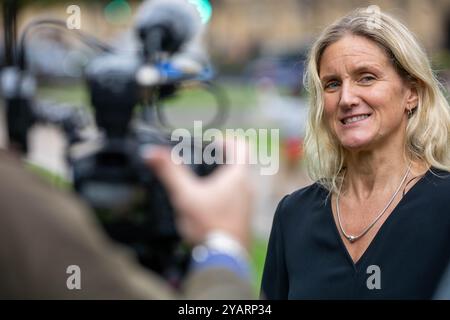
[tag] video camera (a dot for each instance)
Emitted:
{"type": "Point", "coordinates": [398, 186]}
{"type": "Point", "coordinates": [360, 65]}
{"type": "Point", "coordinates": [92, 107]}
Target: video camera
{"type": "Point", "coordinates": [126, 92]}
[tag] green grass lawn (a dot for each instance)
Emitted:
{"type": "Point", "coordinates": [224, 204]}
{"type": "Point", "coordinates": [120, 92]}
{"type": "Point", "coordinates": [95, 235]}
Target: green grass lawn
{"type": "Point", "coordinates": [239, 96]}
{"type": "Point", "coordinates": [75, 93]}
{"type": "Point", "coordinates": [258, 256]}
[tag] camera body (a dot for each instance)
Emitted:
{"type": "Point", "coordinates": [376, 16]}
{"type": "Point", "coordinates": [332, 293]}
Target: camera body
{"type": "Point", "coordinates": [110, 173]}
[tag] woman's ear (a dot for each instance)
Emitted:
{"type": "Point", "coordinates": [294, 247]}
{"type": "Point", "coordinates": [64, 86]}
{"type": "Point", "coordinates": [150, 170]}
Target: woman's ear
{"type": "Point", "coordinates": [412, 99]}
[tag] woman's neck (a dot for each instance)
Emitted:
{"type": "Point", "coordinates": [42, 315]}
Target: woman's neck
{"type": "Point", "coordinates": [374, 172]}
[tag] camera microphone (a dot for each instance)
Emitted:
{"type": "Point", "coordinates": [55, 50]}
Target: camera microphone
{"type": "Point", "coordinates": [166, 25]}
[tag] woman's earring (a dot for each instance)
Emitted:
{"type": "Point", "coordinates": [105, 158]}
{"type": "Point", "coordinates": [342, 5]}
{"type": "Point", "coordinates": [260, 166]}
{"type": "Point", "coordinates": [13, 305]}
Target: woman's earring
{"type": "Point", "coordinates": [411, 112]}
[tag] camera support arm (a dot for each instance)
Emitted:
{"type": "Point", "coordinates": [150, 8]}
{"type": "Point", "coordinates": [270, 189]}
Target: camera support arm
{"type": "Point", "coordinates": [17, 86]}
{"type": "Point", "coordinates": [10, 9]}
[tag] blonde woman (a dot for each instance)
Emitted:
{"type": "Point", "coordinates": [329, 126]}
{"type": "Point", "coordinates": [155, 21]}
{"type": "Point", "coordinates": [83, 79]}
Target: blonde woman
{"type": "Point", "coordinates": [376, 224]}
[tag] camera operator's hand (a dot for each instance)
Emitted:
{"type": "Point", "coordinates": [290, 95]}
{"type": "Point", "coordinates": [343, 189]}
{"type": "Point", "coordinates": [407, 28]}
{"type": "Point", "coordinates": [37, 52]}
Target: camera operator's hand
{"type": "Point", "coordinates": [219, 202]}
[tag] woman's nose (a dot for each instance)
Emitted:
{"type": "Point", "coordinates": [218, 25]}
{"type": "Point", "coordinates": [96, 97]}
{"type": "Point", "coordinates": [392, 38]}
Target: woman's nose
{"type": "Point", "coordinates": [349, 97]}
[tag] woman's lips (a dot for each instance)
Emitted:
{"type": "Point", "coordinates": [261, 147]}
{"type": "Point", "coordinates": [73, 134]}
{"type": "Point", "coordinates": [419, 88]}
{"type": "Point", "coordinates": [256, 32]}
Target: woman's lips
{"type": "Point", "coordinates": [355, 119]}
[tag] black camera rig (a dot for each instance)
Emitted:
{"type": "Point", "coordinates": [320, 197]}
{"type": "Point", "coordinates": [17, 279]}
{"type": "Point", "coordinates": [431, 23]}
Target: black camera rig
{"type": "Point", "coordinates": [108, 171]}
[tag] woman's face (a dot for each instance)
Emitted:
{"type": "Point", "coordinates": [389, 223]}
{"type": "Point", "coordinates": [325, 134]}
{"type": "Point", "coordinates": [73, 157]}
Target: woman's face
{"type": "Point", "coordinates": [365, 99]}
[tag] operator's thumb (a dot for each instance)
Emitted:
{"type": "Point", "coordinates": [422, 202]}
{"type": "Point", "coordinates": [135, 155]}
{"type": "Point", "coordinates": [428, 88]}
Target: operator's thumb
{"type": "Point", "coordinates": [175, 176]}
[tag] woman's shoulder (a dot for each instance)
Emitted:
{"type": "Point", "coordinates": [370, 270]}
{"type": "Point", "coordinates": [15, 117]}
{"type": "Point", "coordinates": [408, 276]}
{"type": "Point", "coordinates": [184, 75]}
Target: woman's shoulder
{"type": "Point", "coordinates": [311, 192]}
{"type": "Point", "coordinates": [436, 186]}
{"type": "Point", "coordinates": [433, 196]}
{"type": "Point", "coordinates": [305, 198]}
{"type": "Point", "coordinates": [437, 179]}
{"type": "Point", "coordinates": [431, 193]}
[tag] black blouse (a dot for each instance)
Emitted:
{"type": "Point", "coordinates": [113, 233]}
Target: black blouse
{"type": "Point", "coordinates": [307, 259]}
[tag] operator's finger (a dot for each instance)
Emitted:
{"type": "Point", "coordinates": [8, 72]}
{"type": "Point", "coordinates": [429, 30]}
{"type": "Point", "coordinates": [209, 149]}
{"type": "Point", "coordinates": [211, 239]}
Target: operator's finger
{"type": "Point", "coordinates": [237, 151]}
{"type": "Point", "coordinates": [175, 177]}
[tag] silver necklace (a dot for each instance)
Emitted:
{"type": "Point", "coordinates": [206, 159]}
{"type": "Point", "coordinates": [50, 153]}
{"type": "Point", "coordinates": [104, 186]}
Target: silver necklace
{"type": "Point", "coordinates": [352, 238]}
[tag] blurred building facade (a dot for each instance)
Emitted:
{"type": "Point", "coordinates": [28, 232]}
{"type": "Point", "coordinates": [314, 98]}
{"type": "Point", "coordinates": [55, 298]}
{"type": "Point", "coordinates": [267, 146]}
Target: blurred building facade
{"type": "Point", "coordinates": [242, 29]}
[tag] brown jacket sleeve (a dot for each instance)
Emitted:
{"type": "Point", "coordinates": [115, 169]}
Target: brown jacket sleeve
{"type": "Point", "coordinates": [43, 231]}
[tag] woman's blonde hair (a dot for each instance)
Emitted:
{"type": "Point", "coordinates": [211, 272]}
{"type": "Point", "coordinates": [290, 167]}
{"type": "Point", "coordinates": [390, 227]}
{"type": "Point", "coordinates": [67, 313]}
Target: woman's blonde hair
{"type": "Point", "coordinates": [427, 133]}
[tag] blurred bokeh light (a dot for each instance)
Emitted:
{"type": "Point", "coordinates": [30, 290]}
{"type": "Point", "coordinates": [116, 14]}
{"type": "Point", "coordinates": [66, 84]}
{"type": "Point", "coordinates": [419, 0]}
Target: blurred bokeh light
{"type": "Point", "coordinates": [118, 12]}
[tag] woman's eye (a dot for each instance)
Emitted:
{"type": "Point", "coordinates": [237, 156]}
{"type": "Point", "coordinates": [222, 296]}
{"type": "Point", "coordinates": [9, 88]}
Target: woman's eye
{"type": "Point", "coordinates": [332, 85]}
{"type": "Point", "coordinates": [367, 79]}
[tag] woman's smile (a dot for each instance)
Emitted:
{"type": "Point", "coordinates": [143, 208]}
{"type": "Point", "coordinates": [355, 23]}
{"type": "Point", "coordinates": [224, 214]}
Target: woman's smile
{"type": "Point", "coordinates": [354, 120]}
